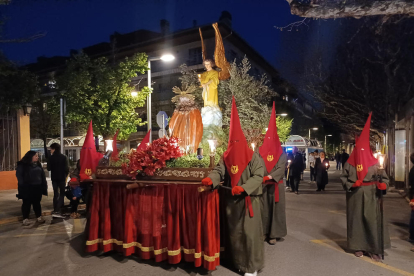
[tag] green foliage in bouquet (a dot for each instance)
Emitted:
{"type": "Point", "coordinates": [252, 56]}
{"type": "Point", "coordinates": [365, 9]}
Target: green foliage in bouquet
{"type": "Point", "coordinates": [191, 160]}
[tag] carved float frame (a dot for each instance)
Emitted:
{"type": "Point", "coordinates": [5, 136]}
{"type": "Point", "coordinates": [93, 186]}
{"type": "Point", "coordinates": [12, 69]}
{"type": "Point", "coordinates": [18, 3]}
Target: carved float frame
{"type": "Point", "coordinates": [181, 174]}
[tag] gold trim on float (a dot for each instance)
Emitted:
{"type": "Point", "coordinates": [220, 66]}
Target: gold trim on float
{"type": "Point", "coordinates": [197, 255]}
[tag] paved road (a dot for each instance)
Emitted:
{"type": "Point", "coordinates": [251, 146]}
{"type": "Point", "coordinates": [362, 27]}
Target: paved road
{"type": "Point", "coordinates": [314, 245]}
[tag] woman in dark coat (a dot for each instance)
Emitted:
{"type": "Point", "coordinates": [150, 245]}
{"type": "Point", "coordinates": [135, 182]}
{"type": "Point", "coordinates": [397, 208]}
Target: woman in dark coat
{"type": "Point", "coordinates": [31, 185]}
{"type": "Point", "coordinates": [321, 169]}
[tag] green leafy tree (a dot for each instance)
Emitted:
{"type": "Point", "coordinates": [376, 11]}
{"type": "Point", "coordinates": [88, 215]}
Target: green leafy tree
{"type": "Point", "coordinates": [17, 86]}
{"type": "Point", "coordinates": [44, 120]}
{"type": "Point", "coordinates": [98, 91]}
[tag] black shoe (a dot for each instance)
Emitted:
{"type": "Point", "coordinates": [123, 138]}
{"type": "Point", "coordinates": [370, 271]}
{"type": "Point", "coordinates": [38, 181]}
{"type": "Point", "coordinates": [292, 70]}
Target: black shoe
{"type": "Point", "coordinates": [57, 215]}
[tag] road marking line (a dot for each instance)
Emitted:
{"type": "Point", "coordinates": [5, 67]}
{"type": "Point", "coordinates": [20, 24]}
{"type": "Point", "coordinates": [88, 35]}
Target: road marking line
{"type": "Point", "coordinates": [344, 240]}
{"type": "Point", "coordinates": [366, 259]}
{"type": "Point", "coordinates": [337, 212]}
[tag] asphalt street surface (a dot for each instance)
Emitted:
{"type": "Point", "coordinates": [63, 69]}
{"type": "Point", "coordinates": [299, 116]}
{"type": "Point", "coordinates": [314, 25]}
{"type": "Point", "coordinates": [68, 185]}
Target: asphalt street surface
{"type": "Point", "coordinates": [315, 244]}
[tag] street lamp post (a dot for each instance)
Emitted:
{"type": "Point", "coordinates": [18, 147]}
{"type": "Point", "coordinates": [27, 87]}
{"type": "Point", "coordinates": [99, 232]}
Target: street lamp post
{"type": "Point", "coordinates": [325, 141]}
{"type": "Point", "coordinates": [149, 117]}
{"type": "Point", "coordinates": [314, 128]}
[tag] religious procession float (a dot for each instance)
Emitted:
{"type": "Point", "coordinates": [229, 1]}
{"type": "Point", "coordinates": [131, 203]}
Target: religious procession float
{"type": "Point", "coordinates": [147, 203]}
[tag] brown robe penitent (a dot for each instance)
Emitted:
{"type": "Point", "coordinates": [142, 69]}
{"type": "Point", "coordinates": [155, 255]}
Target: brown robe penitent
{"type": "Point", "coordinates": [363, 212]}
{"type": "Point", "coordinates": [274, 213]}
{"type": "Point", "coordinates": [243, 240]}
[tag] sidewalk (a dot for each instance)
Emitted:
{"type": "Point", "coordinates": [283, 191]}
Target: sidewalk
{"type": "Point", "coordinates": [10, 206]}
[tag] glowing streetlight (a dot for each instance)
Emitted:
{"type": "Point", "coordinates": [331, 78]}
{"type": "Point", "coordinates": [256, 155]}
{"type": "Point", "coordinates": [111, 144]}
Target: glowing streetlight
{"type": "Point", "coordinates": [166, 57]}
{"type": "Point", "coordinates": [134, 93]}
{"type": "Point", "coordinates": [282, 114]}
{"type": "Point", "coordinates": [314, 128]}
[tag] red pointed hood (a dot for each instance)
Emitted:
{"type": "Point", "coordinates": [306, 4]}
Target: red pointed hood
{"type": "Point", "coordinates": [114, 148]}
{"type": "Point", "coordinates": [144, 141]}
{"type": "Point", "coordinates": [361, 157]}
{"type": "Point", "coordinates": [89, 157]}
{"type": "Point", "coordinates": [238, 154]}
{"type": "Point", "coordinates": [271, 148]}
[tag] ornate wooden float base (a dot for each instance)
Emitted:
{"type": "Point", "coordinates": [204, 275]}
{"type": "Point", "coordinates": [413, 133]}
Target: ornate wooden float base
{"type": "Point", "coordinates": [181, 174]}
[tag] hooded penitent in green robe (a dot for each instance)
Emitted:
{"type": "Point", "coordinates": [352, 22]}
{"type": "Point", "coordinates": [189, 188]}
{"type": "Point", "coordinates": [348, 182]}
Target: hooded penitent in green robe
{"type": "Point", "coordinates": [243, 235]}
{"type": "Point", "coordinates": [363, 212]}
{"type": "Point", "coordinates": [274, 213]}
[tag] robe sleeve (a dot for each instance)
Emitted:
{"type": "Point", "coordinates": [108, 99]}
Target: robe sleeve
{"type": "Point", "coordinates": [346, 182]}
{"type": "Point", "coordinates": [256, 175]}
{"type": "Point", "coordinates": [385, 179]}
{"type": "Point", "coordinates": [279, 172]}
{"type": "Point", "coordinates": [217, 174]}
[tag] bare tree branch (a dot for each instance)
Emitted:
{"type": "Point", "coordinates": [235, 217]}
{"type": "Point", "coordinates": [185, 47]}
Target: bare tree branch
{"type": "Point", "coordinates": [24, 39]}
{"type": "Point", "coordinates": [294, 25]}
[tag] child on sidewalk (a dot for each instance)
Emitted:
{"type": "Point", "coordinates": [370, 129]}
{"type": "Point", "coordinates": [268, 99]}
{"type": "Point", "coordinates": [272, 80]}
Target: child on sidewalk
{"type": "Point", "coordinates": [74, 194]}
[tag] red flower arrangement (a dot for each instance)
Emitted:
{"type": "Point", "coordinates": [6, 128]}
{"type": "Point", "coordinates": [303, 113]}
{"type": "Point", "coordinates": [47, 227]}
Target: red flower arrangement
{"type": "Point", "coordinates": [152, 157]}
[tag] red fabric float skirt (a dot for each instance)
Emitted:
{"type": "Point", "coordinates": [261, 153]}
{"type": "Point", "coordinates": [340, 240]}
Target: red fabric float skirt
{"type": "Point", "coordinates": [164, 222]}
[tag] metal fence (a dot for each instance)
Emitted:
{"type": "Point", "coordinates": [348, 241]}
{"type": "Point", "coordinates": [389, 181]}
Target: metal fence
{"type": "Point", "coordinates": [8, 142]}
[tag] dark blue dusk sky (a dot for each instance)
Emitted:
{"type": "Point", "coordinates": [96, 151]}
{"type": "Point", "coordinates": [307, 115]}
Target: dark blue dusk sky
{"type": "Point", "coordinates": [79, 23]}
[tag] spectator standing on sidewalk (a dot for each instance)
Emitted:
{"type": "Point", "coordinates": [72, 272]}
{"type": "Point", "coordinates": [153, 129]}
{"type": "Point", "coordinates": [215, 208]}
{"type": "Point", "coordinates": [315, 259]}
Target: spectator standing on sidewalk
{"type": "Point", "coordinates": [338, 159]}
{"type": "Point", "coordinates": [58, 165]}
{"type": "Point", "coordinates": [295, 167]}
{"type": "Point", "coordinates": [344, 158]}
{"type": "Point", "coordinates": [31, 186]}
{"type": "Point", "coordinates": [411, 183]}
{"type": "Point", "coordinates": [312, 167]}
{"type": "Point", "coordinates": [321, 168]}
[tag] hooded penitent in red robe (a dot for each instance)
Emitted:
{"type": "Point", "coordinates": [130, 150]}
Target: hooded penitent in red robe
{"type": "Point", "coordinates": [361, 157]}
{"type": "Point", "coordinates": [271, 150]}
{"type": "Point", "coordinates": [238, 154]}
{"type": "Point", "coordinates": [89, 157]}
{"type": "Point", "coordinates": [144, 141]}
